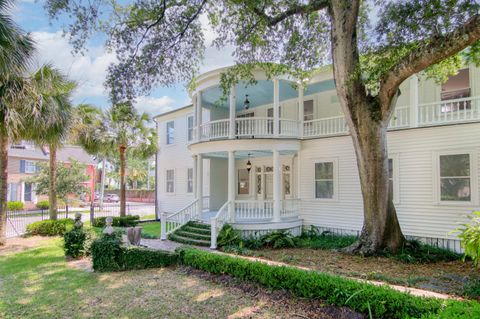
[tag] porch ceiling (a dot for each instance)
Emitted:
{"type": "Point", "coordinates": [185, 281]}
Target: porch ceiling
{"type": "Point", "coordinates": [244, 154]}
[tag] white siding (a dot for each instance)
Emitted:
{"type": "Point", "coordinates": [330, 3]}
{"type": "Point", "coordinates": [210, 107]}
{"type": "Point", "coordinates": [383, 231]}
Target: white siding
{"type": "Point", "coordinates": [418, 212]}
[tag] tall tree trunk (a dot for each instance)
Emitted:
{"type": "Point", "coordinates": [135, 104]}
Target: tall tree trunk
{"type": "Point", "coordinates": [52, 192]}
{"type": "Point", "coordinates": [123, 197]}
{"type": "Point", "coordinates": [3, 187]}
{"type": "Point", "coordinates": [102, 182]}
{"type": "Point", "coordinates": [368, 128]}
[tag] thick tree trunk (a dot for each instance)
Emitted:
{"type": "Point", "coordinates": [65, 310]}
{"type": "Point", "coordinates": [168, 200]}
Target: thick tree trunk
{"type": "Point", "coordinates": [3, 187]}
{"type": "Point", "coordinates": [123, 197]}
{"type": "Point", "coordinates": [52, 192]}
{"type": "Point", "coordinates": [367, 122]}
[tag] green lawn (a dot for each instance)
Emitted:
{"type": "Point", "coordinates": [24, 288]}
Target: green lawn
{"type": "Point", "coordinates": [149, 230]}
{"type": "Point", "coordinates": [38, 283]}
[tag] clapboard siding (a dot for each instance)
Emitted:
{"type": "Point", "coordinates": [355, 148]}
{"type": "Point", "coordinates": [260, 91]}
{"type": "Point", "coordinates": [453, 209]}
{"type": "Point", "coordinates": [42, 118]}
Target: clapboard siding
{"type": "Point", "coordinates": [418, 211]}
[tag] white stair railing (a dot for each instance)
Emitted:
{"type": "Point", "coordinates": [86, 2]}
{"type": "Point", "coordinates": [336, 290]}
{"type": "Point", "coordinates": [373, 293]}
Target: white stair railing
{"type": "Point", "coordinates": [217, 222]}
{"type": "Point", "coordinates": [171, 222]}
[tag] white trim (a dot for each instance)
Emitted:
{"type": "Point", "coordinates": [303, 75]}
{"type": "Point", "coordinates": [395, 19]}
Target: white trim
{"type": "Point", "coordinates": [333, 160]}
{"type": "Point", "coordinates": [473, 177]}
{"type": "Point", "coordinates": [174, 186]}
{"type": "Point", "coordinates": [166, 133]}
{"type": "Point", "coordinates": [186, 180]}
{"type": "Point", "coordinates": [192, 129]}
{"type": "Point", "coordinates": [396, 177]}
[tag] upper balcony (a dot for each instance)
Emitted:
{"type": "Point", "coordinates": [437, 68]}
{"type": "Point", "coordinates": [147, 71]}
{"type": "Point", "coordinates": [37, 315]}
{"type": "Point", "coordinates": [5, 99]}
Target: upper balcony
{"type": "Point", "coordinates": [273, 109]}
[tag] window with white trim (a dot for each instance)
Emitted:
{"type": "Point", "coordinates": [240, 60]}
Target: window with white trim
{"type": "Point", "coordinates": [308, 110]}
{"type": "Point", "coordinates": [30, 167]}
{"type": "Point", "coordinates": [455, 178]}
{"type": "Point", "coordinates": [170, 132]}
{"type": "Point", "coordinates": [170, 181]}
{"type": "Point", "coordinates": [243, 182]}
{"type": "Point", "coordinates": [190, 128]}
{"type": "Point", "coordinates": [325, 180]}
{"type": "Point", "coordinates": [189, 180]}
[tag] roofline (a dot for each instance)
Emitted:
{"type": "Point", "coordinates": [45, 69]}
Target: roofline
{"type": "Point", "coordinates": [172, 111]}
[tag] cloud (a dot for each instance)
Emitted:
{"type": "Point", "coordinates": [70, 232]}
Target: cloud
{"type": "Point", "coordinates": [88, 70]}
{"type": "Point", "coordinates": [154, 105]}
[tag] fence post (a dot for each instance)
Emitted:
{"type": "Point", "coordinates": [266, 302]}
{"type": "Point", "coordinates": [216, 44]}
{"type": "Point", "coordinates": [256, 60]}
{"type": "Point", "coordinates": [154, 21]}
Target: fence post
{"type": "Point", "coordinates": [163, 226]}
{"type": "Point", "coordinates": [66, 210]}
{"type": "Point", "coordinates": [92, 214]}
{"type": "Point", "coordinates": [213, 230]}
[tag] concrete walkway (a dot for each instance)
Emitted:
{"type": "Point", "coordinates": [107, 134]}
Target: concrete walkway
{"type": "Point", "coordinates": [171, 246]}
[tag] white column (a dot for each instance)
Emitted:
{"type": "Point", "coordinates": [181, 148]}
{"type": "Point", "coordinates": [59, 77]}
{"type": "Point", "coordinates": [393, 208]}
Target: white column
{"type": "Point", "coordinates": [231, 185]}
{"type": "Point", "coordinates": [232, 112]}
{"type": "Point", "coordinates": [300, 110]}
{"type": "Point", "coordinates": [277, 174]}
{"type": "Point", "coordinates": [198, 115]}
{"type": "Point", "coordinates": [413, 101]}
{"type": "Point", "coordinates": [200, 184]}
{"type": "Point", "coordinates": [276, 107]}
{"type": "Point", "coordinates": [194, 173]}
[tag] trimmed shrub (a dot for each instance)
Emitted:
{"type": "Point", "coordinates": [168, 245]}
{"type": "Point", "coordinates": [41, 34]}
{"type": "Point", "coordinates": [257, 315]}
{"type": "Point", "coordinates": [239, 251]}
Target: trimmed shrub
{"type": "Point", "coordinates": [50, 227]}
{"type": "Point", "coordinates": [142, 258]}
{"type": "Point", "coordinates": [380, 301]}
{"type": "Point", "coordinates": [127, 221]}
{"type": "Point", "coordinates": [469, 235]}
{"type": "Point", "coordinates": [228, 236]}
{"type": "Point", "coordinates": [44, 204]}
{"type": "Point", "coordinates": [278, 239]}
{"type": "Point", "coordinates": [74, 242]}
{"type": "Point", "coordinates": [106, 252]}
{"type": "Point", "coordinates": [15, 205]}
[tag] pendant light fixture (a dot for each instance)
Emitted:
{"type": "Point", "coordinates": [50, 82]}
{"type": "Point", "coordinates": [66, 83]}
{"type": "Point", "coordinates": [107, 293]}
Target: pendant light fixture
{"type": "Point", "coordinates": [249, 164]}
{"type": "Point", "coordinates": [246, 103]}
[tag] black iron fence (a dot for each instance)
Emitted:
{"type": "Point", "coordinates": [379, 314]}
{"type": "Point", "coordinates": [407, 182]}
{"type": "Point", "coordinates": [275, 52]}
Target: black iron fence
{"type": "Point", "coordinates": [18, 220]}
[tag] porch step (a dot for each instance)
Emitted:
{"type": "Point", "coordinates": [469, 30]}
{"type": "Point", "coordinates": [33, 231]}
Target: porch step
{"type": "Point", "coordinates": [188, 241]}
{"type": "Point", "coordinates": [191, 229]}
{"type": "Point", "coordinates": [196, 224]}
{"type": "Point", "coordinates": [192, 235]}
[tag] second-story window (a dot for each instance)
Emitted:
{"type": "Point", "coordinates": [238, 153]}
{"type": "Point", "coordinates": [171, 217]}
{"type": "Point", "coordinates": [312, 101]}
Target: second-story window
{"type": "Point", "coordinates": [456, 87]}
{"type": "Point", "coordinates": [28, 167]}
{"type": "Point", "coordinates": [308, 110]}
{"type": "Point", "coordinates": [190, 128]}
{"type": "Point", "coordinates": [170, 132]}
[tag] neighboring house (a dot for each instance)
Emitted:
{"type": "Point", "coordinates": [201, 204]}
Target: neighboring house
{"type": "Point", "coordinates": [272, 156]}
{"type": "Point", "coordinates": [22, 163]}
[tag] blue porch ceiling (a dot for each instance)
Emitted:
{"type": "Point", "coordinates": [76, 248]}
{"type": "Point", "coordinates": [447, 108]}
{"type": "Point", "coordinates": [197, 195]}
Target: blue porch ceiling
{"type": "Point", "coordinates": [244, 154]}
{"type": "Point", "coordinates": [261, 93]}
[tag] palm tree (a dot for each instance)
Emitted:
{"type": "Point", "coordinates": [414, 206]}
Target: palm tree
{"type": "Point", "coordinates": [16, 50]}
{"type": "Point", "coordinates": [53, 124]}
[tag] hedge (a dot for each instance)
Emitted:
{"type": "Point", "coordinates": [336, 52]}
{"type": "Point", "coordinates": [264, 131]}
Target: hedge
{"type": "Point", "coordinates": [379, 301]}
{"type": "Point", "coordinates": [15, 205]}
{"type": "Point", "coordinates": [126, 221]}
{"type": "Point", "coordinates": [108, 254]}
{"type": "Point", "coordinates": [43, 204]}
{"type": "Point", "coordinates": [50, 227]}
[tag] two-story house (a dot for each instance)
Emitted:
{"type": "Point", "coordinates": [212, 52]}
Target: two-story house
{"type": "Point", "coordinates": [275, 155]}
{"type": "Point", "coordinates": [22, 163]}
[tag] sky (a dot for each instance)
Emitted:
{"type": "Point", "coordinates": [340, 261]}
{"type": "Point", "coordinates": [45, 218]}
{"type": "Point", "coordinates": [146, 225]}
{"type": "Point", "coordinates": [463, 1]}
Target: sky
{"type": "Point", "coordinates": [89, 69]}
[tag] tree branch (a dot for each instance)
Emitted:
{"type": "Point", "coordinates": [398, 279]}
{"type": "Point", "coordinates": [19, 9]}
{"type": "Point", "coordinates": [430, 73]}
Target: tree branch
{"type": "Point", "coordinates": [314, 5]}
{"type": "Point", "coordinates": [437, 49]}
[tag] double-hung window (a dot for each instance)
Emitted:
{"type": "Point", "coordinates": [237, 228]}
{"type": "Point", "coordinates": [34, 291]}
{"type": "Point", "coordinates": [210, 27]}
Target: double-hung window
{"type": "Point", "coordinates": [170, 181]}
{"type": "Point", "coordinates": [189, 180]}
{"type": "Point", "coordinates": [190, 128]}
{"type": "Point", "coordinates": [30, 167]}
{"type": "Point", "coordinates": [325, 180]}
{"type": "Point", "coordinates": [170, 132]}
{"type": "Point", "coordinates": [455, 177]}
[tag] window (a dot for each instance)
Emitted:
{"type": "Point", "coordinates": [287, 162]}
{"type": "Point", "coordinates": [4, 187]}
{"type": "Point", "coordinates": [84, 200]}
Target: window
{"type": "Point", "coordinates": [456, 87]}
{"type": "Point", "coordinates": [12, 192]}
{"type": "Point", "coordinates": [27, 194]}
{"type": "Point", "coordinates": [243, 182]}
{"type": "Point", "coordinates": [170, 132]}
{"type": "Point", "coordinates": [308, 110]}
{"type": "Point", "coordinates": [30, 167]}
{"type": "Point", "coordinates": [455, 178]}
{"type": "Point", "coordinates": [190, 128]}
{"type": "Point", "coordinates": [324, 180]}
{"type": "Point", "coordinates": [286, 180]}
{"type": "Point", "coordinates": [170, 181]}
{"type": "Point", "coordinates": [189, 180]}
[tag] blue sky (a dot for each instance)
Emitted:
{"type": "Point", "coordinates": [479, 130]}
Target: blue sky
{"type": "Point", "coordinates": [89, 69]}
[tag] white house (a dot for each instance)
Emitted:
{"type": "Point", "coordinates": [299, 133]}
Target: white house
{"type": "Point", "coordinates": [276, 156]}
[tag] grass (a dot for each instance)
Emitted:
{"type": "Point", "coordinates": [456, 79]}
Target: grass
{"type": "Point", "coordinates": [38, 283]}
{"type": "Point", "coordinates": [149, 230]}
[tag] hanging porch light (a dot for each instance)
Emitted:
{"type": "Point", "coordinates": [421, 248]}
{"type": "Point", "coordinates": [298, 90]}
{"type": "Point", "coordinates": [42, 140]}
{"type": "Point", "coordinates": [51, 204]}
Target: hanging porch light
{"type": "Point", "coordinates": [246, 103]}
{"type": "Point", "coordinates": [249, 164]}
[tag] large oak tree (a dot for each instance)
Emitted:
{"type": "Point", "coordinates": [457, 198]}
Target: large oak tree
{"type": "Point", "coordinates": [373, 47]}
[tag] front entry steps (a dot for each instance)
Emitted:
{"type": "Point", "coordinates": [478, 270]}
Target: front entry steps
{"type": "Point", "coordinates": [192, 233]}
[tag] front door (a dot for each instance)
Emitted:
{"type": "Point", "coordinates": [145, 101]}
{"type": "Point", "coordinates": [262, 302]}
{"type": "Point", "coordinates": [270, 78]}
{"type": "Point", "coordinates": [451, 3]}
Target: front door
{"type": "Point", "coordinates": [268, 186]}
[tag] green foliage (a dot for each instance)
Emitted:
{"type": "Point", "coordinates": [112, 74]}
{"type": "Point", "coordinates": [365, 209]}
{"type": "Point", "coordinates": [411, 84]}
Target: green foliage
{"type": "Point", "coordinates": [108, 254]}
{"type": "Point", "coordinates": [50, 227]}
{"type": "Point", "coordinates": [16, 205]}
{"type": "Point", "coordinates": [43, 204]}
{"type": "Point", "coordinates": [472, 288]}
{"type": "Point", "coordinates": [74, 242]}
{"type": "Point", "coordinates": [70, 179]}
{"type": "Point", "coordinates": [126, 221]}
{"type": "Point", "coordinates": [228, 236]}
{"type": "Point", "coordinates": [325, 240]}
{"type": "Point", "coordinates": [414, 252]}
{"type": "Point", "coordinates": [381, 301]}
{"type": "Point", "coordinates": [469, 235]}
{"type": "Point", "coordinates": [278, 239]}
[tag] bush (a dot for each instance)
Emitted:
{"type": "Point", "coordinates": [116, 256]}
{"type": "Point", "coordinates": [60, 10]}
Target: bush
{"type": "Point", "coordinates": [108, 254]}
{"type": "Point", "coordinates": [74, 242]}
{"type": "Point", "coordinates": [228, 236]}
{"type": "Point", "coordinates": [126, 221]}
{"type": "Point", "coordinates": [414, 252]}
{"type": "Point", "coordinates": [14, 205]}
{"type": "Point", "coordinates": [44, 204]}
{"type": "Point", "coordinates": [50, 227]}
{"type": "Point", "coordinates": [325, 240]}
{"type": "Point", "coordinates": [469, 235]}
{"type": "Point", "coordinates": [278, 239]}
{"type": "Point", "coordinates": [379, 301]}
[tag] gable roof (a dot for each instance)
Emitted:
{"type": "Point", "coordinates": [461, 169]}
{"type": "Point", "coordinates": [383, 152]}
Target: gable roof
{"type": "Point", "coordinates": [63, 155]}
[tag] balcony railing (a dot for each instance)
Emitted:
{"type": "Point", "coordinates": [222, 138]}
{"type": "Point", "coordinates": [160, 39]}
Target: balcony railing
{"type": "Point", "coordinates": [428, 114]}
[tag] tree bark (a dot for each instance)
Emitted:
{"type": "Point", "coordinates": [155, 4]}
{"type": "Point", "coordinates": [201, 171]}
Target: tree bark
{"type": "Point", "coordinates": [52, 192]}
{"type": "Point", "coordinates": [123, 197]}
{"type": "Point", "coordinates": [368, 128]}
{"type": "Point", "coordinates": [3, 187]}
